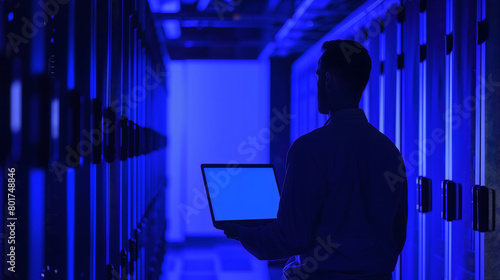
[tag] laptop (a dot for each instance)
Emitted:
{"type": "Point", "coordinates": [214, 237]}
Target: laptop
{"type": "Point", "coordinates": [246, 194]}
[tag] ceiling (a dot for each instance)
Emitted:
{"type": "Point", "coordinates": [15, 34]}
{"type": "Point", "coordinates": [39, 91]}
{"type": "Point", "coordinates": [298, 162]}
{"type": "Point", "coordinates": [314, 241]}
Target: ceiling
{"type": "Point", "coordinates": [245, 29]}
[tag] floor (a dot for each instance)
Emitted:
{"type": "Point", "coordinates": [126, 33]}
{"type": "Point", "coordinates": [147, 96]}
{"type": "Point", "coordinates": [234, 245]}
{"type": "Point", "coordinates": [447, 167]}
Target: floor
{"type": "Point", "coordinates": [215, 259]}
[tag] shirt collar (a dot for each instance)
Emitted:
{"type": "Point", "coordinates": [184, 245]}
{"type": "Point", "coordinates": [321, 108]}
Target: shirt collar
{"type": "Point", "coordinates": [348, 114]}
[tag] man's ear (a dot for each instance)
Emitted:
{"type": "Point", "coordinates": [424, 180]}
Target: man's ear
{"type": "Point", "coordinates": [328, 79]}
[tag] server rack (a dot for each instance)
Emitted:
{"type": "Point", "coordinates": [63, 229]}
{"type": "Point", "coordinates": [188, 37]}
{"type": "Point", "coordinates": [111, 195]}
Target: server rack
{"type": "Point", "coordinates": [85, 86]}
{"type": "Point", "coordinates": [431, 137]}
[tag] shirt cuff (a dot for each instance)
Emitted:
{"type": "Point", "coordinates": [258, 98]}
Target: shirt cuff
{"type": "Point", "coordinates": [245, 234]}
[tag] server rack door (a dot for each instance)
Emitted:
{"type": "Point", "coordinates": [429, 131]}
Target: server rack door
{"type": "Point", "coordinates": [433, 136]}
{"type": "Point", "coordinates": [115, 99]}
{"type": "Point", "coordinates": [134, 175]}
{"type": "Point", "coordinates": [410, 146]}
{"type": "Point", "coordinates": [79, 194]}
{"type": "Point", "coordinates": [59, 189]}
{"type": "Point", "coordinates": [460, 124]}
{"type": "Point", "coordinates": [365, 97]}
{"type": "Point", "coordinates": [390, 112]}
{"type": "Point", "coordinates": [488, 84]}
{"type": "Point", "coordinates": [388, 83]}
{"type": "Point", "coordinates": [125, 151]}
{"type": "Point", "coordinates": [101, 33]}
{"type": "Point", "coordinates": [374, 30]}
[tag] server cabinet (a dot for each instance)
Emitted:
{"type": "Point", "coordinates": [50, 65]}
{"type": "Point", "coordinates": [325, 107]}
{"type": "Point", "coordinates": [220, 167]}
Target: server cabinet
{"type": "Point", "coordinates": [432, 134]}
{"type": "Point", "coordinates": [459, 128]}
{"type": "Point", "coordinates": [409, 133]}
{"type": "Point", "coordinates": [375, 28]}
{"type": "Point", "coordinates": [86, 138]}
{"type": "Point", "coordinates": [487, 127]}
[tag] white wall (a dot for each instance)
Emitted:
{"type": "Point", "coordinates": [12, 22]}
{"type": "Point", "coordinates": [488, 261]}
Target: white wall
{"type": "Point", "coordinates": [215, 109]}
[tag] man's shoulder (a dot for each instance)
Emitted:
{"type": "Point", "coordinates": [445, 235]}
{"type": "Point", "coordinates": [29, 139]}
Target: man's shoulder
{"type": "Point", "coordinates": [312, 139]}
{"type": "Point", "coordinates": [326, 138]}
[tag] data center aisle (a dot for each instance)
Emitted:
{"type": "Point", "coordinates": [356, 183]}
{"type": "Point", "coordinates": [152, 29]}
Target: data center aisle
{"type": "Point", "coordinates": [214, 259]}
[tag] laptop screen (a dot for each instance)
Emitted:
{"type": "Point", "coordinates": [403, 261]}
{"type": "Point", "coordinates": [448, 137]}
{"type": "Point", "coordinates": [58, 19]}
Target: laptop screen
{"type": "Point", "coordinates": [242, 192]}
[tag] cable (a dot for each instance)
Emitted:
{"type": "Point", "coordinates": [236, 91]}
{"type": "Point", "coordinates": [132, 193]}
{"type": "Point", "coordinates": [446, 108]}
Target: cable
{"type": "Point", "coordinates": [292, 262]}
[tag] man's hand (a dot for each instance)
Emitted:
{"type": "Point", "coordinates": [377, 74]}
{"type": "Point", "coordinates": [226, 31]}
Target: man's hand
{"type": "Point", "coordinates": [230, 229]}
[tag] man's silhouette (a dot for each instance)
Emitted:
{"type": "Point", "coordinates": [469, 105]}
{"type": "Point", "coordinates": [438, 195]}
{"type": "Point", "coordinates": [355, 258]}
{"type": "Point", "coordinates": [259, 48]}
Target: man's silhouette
{"type": "Point", "coordinates": [344, 202]}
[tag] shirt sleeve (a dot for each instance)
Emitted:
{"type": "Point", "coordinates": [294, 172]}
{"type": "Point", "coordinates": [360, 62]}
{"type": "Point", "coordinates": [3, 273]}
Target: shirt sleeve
{"type": "Point", "coordinates": [302, 199]}
{"type": "Point", "coordinates": [401, 217]}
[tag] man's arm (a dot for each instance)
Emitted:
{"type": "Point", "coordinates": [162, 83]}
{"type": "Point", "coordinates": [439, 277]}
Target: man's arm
{"type": "Point", "coordinates": [302, 200]}
{"type": "Point", "coordinates": [401, 217]}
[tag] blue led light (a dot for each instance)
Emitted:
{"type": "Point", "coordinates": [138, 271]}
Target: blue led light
{"type": "Point", "coordinates": [70, 208]}
{"type": "Point", "coordinates": [93, 217]}
{"type": "Point", "coordinates": [71, 47]}
{"type": "Point", "coordinates": [37, 59]}
{"type": "Point", "coordinates": [172, 28]}
{"type": "Point", "coordinates": [16, 106]}
{"type": "Point", "coordinates": [54, 119]}
{"type": "Point", "coordinates": [36, 223]}
{"type": "Point", "coordinates": [10, 17]}
{"type": "Point", "coordinates": [202, 5]}
{"type": "Point", "coordinates": [165, 6]}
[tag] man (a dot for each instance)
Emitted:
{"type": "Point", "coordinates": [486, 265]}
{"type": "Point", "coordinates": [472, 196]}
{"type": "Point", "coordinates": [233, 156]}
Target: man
{"type": "Point", "coordinates": [344, 203]}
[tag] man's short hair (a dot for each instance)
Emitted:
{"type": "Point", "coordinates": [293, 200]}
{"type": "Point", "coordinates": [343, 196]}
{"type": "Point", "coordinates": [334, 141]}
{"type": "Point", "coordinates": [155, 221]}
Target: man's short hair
{"type": "Point", "coordinates": [349, 61]}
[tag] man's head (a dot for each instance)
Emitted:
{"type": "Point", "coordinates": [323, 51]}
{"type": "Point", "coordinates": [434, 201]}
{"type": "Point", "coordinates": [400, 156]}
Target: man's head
{"type": "Point", "coordinates": [343, 72]}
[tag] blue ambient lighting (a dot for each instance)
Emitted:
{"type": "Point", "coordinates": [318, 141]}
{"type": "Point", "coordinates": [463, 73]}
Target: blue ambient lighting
{"type": "Point", "coordinates": [37, 59]}
{"type": "Point", "coordinates": [70, 208]}
{"type": "Point", "coordinates": [172, 28]}
{"type": "Point", "coordinates": [54, 119]}
{"type": "Point", "coordinates": [36, 223]}
{"type": "Point", "coordinates": [93, 217]}
{"type": "Point", "coordinates": [71, 46]}
{"type": "Point", "coordinates": [16, 106]}
{"type": "Point", "coordinates": [202, 5]}
{"type": "Point", "coordinates": [165, 6]}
